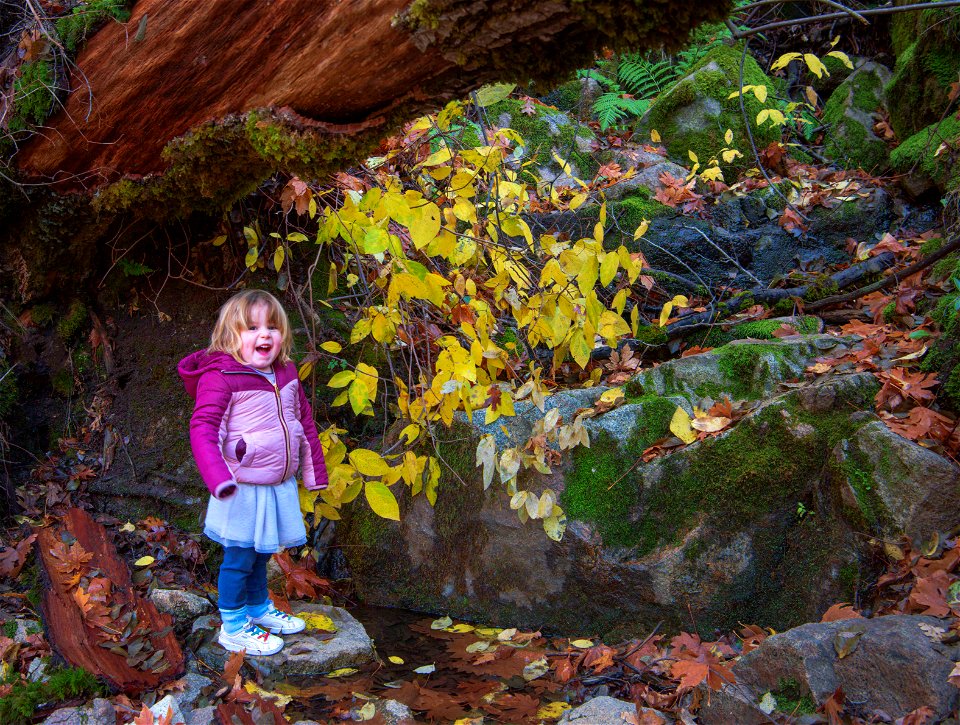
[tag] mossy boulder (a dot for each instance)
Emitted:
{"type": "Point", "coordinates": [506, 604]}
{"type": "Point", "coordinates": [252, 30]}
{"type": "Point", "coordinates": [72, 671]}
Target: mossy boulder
{"type": "Point", "coordinates": [547, 132]}
{"type": "Point", "coordinates": [695, 113]}
{"type": "Point", "coordinates": [648, 166]}
{"type": "Point", "coordinates": [896, 485]}
{"type": "Point", "coordinates": [850, 112]}
{"type": "Point", "coordinates": [927, 44]}
{"type": "Point", "coordinates": [922, 161]}
{"type": "Point", "coordinates": [714, 526]}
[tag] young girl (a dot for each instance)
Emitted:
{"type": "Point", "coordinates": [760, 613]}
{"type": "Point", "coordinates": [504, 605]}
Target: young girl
{"type": "Point", "coordinates": [251, 430]}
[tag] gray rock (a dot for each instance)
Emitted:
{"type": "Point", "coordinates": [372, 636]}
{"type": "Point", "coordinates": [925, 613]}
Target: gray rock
{"type": "Point", "coordinates": [183, 606]}
{"type": "Point", "coordinates": [25, 627]}
{"type": "Point", "coordinates": [37, 671]}
{"type": "Point", "coordinates": [898, 485]}
{"type": "Point", "coordinates": [194, 683]}
{"type": "Point", "coordinates": [606, 711]}
{"type": "Point", "coordinates": [648, 167]}
{"type": "Point", "coordinates": [202, 716]}
{"type": "Point", "coordinates": [307, 653]}
{"type": "Point", "coordinates": [168, 704]}
{"type": "Point", "coordinates": [850, 110]}
{"type": "Point", "coordinates": [100, 712]}
{"type": "Point", "coordinates": [390, 711]}
{"type": "Point", "coordinates": [895, 667]}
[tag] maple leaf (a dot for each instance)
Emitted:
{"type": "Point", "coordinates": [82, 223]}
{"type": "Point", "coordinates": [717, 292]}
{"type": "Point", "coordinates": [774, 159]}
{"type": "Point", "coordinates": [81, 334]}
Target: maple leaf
{"type": "Point", "coordinates": [71, 561]}
{"type": "Point", "coordinates": [921, 422]}
{"type": "Point", "coordinates": [301, 579]}
{"type": "Point", "coordinates": [900, 384]}
{"type": "Point", "coordinates": [833, 707]}
{"type": "Point", "coordinates": [599, 658]}
{"type": "Point", "coordinates": [706, 668]}
{"type": "Point", "coordinates": [929, 594]}
{"type": "Point", "coordinates": [564, 668]}
{"type": "Point", "coordinates": [12, 558]}
{"type": "Point", "coordinates": [751, 636]}
{"type": "Point", "coordinates": [840, 611]}
{"type": "Point", "coordinates": [792, 222]}
{"type": "Point", "coordinates": [514, 707]}
{"type": "Point", "coordinates": [144, 718]}
{"type": "Point", "coordinates": [231, 669]}
{"type": "Point", "coordinates": [438, 705]}
{"type": "Point", "coordinates": [529, 106]}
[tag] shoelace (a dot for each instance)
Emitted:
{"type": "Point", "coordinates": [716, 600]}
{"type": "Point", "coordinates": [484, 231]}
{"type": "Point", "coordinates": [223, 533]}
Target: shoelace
{"type": "Point", "coordinates": [278, 613]}
{"type": "Point", "coordinates": [253, 629]}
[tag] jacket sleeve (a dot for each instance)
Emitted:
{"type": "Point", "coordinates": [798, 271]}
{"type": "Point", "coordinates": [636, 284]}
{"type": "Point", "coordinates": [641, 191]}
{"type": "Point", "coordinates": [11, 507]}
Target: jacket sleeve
{"type": "Point", "coordinates": [311, 452]}
{"type": "Point", "coordinates": [213, 400]}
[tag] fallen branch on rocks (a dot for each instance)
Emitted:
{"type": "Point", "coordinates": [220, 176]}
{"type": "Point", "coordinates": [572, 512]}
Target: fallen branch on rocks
{"type": "Point", "coordinates": [711, 316]}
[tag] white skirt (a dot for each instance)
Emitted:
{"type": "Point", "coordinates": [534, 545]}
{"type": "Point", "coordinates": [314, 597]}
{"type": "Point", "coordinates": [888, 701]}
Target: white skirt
{"type": "Point", "coordinates": [268, 518]}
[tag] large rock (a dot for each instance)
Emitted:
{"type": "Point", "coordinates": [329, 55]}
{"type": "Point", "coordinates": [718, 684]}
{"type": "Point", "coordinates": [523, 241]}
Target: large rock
{"type": "Point", "coordinates": [648, 165]}
{"type": "Point", "coordinates": [100, 712]}
{"type": "Point", "coordinates": [182, 605]}
{"type": "Point", "coordinates": [896, 667]}
{"type": "Point", "coordinates": [714, 526]}
{"type": "Point", "coordinates": [851, 112]}
{"type": "Point", "coordinates": [606, 710]}
{"type": "Point", "coordinates": [695, 113]}
{"type": "Point", "coordinates": [309, 653]}
{"type": "Point", "coordinates": [897, 485]}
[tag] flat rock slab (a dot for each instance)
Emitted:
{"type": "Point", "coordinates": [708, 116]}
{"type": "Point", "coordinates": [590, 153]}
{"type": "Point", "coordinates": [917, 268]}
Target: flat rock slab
{"type": "Point", "coordinates": [310, 652]}
{"type": "Point", "coordinates": [610, 711]}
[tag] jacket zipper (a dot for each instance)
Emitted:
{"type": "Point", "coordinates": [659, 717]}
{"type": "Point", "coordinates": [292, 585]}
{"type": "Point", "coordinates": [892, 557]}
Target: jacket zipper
{"type": "Point", "coordinates": [286, 433]}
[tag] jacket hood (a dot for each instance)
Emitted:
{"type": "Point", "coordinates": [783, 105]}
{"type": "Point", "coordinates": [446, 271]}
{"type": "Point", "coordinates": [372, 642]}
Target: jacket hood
{"type": "Point", "coordinates": [194, 365]}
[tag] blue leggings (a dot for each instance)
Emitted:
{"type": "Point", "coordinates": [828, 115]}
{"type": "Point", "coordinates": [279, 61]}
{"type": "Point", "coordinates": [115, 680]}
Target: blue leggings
{"type": "Point", "coordinates": [243, 577]}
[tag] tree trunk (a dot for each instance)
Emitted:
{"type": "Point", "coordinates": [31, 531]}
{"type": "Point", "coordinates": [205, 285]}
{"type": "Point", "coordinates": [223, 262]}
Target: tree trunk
{"type": "Point", "coordinates": [343, 67]}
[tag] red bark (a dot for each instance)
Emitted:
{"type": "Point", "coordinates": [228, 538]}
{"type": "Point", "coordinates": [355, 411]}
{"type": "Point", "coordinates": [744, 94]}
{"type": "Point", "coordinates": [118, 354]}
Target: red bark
{"type": "Point", "coordinates": [338, 62]}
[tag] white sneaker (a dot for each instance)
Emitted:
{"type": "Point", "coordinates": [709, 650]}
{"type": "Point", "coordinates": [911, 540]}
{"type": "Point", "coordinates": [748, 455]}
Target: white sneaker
{"type": "Point", "coordinates": [279, 622]}
{"type": "Point", "coordinates": [253, 639]}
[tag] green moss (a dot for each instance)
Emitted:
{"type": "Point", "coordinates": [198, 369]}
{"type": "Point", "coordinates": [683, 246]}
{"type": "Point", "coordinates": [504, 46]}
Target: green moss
{"type": "Point", "coordinates": [21, 703]}
{"type": "Point", "coordinates": [739, 364]}
{"type": "Point", "coordinates": [72, 322]}
{"type": "Point", "coordinates": [822, 287]}
{"type": "Point", "coordinates": [33, 95]}
{"type": "Point", "coordinates": [919, 152]}
{"type": "Point", "coordinates": [651, 335]}
{"type": "Point", "coordinates": [794, 698]}
{"type": "Point", "coordinates": [62, 383]}
{"type": "Point", "coordinates": [849, 112]}
{"type": "Point", "coordinates": [704, 130]}
{"type": "Point", "coordinates": [10, 628]}
{"type": "Point", "coordinates": [928, 61]}
{"type": "Point", "coordinates": [586, 496]}
{"type": "Point", "coordinates": [758, 330]}
{"type": "Point", "coordinates": [86, 17]}
{"type": "Point", "coordinates": [944, 358]}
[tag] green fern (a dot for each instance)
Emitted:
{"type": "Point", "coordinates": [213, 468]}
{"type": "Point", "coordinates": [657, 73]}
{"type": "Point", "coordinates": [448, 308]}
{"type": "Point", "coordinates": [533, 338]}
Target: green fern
{"type": "Point", "coordinates": [644, 78]}
{"type": "Point", "coordinates": [613, 108]}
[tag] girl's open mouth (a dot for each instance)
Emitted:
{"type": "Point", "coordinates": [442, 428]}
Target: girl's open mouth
{"type": "Point", "coordinates": [265, 349]}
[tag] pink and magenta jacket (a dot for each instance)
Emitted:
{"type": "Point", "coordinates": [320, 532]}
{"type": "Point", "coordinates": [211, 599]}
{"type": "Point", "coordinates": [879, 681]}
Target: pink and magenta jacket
{"type": "Point", "coordinates": [246, 430]}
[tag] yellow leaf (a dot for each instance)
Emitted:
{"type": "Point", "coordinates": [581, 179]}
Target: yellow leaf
{"type": "Point", "coordinates": [425, 225]}
{"type": "Point", "coordinates": [327, 511]}
{"type": "Point", "coordinates": [665, 313]}
{"type": "Point", "coordinates": [305, 370]}
{"type": "Point", "coordinates": [553, 710]}
{"type": "Point", "coordinates": [251, 259]}
{"type": "Point", "coordinates": [279, 700]}
{"type": "Point", "coordinates": [278, 257]}
{"type": "Point", "coordinates": [680, 426]}
{"type": "Point", "coordinates": [582, 643]}
{"type": "Point", "coordinates": [620, 301]}
{"type": "Point", "coordinates": [729, 155]}
{"type": "Point", "coordinates": [330, 346]}
{"type": "Point", "coordinates": [693, 157]}
{"type": "Point", "coordinates": [396, 660]}
{"type": "Point", "coordinates": [580, 349]}
{"type": "Point", "coordinates": [761, 93]}
{"type": "Point", "coordinates": [728, 136]}
{"type": "Point", "coordinates": [608, 268]}
{"type": "Point", "coordinates": [461, 628]}
{"type": "Point", "coordinates": [815, 65]}
{"type": "Point", "coordinates": [218, 241]}
{"type": "Point", "coordinates": [360, 330]}
{"type": "Point", "coordinates": [784, 60]}
{"type": "Point", "coordinates": [343, 672]}
{"type": "Point", "coordinates": [128, 528]}
{"type": "Point", "coordinates": [342, 379]}
{"type": "Point", "coordinates": [654, 135]}
{"type": "Point", "coordinates": [368, 462]}
{"type": "Point", "coordinates": [315, 620]}
{"type": "Point", "coordinates": [307, 500]}
{"type": "Point", "coordinates": [144, 561]}
{"type": "Point", "coordinates": [494, 93]}
{"type": "Point", "coordinates": [842, 57]}
{"type": "Point", "coordinates": [438, 157]}
{"type": "Point", "coordinates": [382, 500]}
{"type": "Point", "coordinates": [641, 230]}
{"type": "Point", "coordinates": [250, 234]}
{"type": "Point", "coordinates": [411, 432]}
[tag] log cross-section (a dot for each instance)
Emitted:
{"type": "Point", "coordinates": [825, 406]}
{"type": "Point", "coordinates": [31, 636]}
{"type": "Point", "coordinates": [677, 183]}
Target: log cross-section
{"type": "Point", "coordinates": [72, 637]}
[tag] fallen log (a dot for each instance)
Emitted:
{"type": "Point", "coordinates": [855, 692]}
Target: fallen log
{"type": "Point", "coordinates": [93, 616]}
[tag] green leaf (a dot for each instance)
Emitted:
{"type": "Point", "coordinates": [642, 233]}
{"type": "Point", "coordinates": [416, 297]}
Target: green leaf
{"type": "Point", "coordinates": [382, 500]}
{"type": "Point", "coordinates": [494, 93]}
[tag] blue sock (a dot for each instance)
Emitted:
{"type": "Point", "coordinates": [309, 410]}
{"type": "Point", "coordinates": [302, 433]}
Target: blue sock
{"type": "Point", "coordinates": [258, 610]}
{"type": "Point", "coordinates": [233, 619]}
